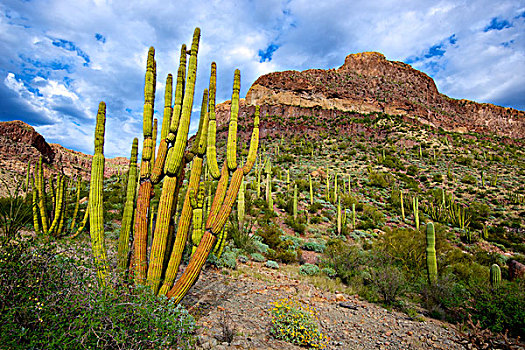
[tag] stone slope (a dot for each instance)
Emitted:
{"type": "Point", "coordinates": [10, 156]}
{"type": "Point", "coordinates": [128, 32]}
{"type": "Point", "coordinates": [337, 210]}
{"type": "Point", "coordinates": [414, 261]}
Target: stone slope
{"type": "Point", "coordinates": [367, 82]}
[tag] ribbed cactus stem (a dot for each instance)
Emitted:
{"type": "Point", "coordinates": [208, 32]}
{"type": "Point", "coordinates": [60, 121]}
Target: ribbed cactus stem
{"type": "Point", "coordinates": [495, 276]}
{"type": "Point", "coordinates": [154, 138]}
{"type": "Point", "coordinates": [176, 153]}
{"type": "Point", "coordinates": [335, 188]}
{"type": "Point", "coordinates": [197, 202]}
{"type": "Point", "coordinates": [311, 189]}
{"type": "Point", "coordinates": [353, 216]}
{"type": "Point", "coordinates": [431, 254]}
{"type": "Point", "coordinates": [60, 228]}
{"type": "Point", "coordinates": [327, 186]}
{"type": "Point", "coordinates": [41, 197]}
{"type": "Point", "coordinates": [144, 193]}
{"type": "Point", "coordinates": [36, 223]}
{"type": "Point", "coordinates": [127, 216]}
{"type": "Point", "coordinates": [241, 210]}
{"type": "Point", "coordinates": [254, 143]}
{"type": "Point", "coordinates": [77, 203]}
{"type": "Point", "coordinates": [168, 109]}
{"type": "Point", "coordinates": [402, 205]}
{"type": "Point", "coordinates": [179, 95]}
{"type": "Point", "coordinates": [415, 206]}
{"type": "Point", "coordinates": [295, 202]}
{"type": "Point", "coordinates": [339, 219]}
{"type": "Point", "coordinates": [211, 149]}
{"type": "Point", "coordinates": [96, 204]}
{"type": "Point", "coordinates": [231, 151]}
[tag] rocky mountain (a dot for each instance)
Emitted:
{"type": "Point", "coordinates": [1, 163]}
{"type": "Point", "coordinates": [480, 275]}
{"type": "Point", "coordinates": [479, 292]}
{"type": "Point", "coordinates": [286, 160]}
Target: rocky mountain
{"type": "Point", "coordinates": [367, 83]}
{"type": "Point", "coordinates": [20, 144]}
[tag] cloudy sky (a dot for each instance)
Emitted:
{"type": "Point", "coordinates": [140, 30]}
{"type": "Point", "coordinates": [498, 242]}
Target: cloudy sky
{"type": "Point", "coordinates": [58, 59]}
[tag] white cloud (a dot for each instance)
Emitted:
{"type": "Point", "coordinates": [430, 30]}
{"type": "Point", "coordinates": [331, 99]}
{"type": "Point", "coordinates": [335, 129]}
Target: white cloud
{"type": "Point", "coordinates": [484, 66]}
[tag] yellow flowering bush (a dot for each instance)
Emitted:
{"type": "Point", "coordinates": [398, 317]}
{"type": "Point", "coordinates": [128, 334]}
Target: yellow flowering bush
{"type": "Point", "coordinates": [296, 324]}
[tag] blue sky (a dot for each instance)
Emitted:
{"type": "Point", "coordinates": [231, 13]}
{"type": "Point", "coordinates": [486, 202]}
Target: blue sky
{"type": "Point", "coordinates": [58, 59]}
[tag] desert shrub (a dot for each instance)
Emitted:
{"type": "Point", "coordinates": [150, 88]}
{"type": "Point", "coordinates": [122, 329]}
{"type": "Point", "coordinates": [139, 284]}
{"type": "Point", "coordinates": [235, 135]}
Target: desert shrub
{"type": "Point", "coordinates": [49, 300]}
{"type": "Point", "coordinates": [228, 259]}
{"type": "Point", "coordinates": [257, 257]}
{"type": "Point", "coordinates": [314, 208]}
{"type": "Point", "coordinates": [271, 264]}
{"type": "Point", "coordinates": [412, 170]}
{"type": "Point", "coordinates": [388, 281]}
{"type": "Point", "coordinates": [295, 225]}
{"type": "Point", "coordinates": [378, 179]}
{"type": "Point", "coordinates": [309, 270]}
{"type": "Point", "coordinates": [445, 299]}
{"type": "Point", "coordinates": [468, 179]}
{"type": "Point", "coordinates": [313, 246]}
{"type": "Point", "coordinates": [501, 308]}
{"type": "Point", "coordinates": [328, 271]}
{"type": "Point", "coordinates": [296, 324]}
{"type": "Point", "coordinates": [347, 260]}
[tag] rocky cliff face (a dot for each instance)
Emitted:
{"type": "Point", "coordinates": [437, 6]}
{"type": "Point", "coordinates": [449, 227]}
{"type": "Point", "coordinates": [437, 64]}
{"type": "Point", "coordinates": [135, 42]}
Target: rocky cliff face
{"type": "Point", "coordinates": [20, 144]}
{"type": "Point", "coordinates": [367, 82]}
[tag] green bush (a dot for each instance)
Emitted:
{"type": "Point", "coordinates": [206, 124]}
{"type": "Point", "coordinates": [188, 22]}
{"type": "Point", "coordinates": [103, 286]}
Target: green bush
{"type": "Point", "coordinates": [49, 300]}
{"type": "Point", "coordinates": [309, 270]}
{"type": "Point", "coordinates": [271, 264]}
{"type": "Point", "coordinates": [257, 257]}
{"type": "Point", "coordinates": [328, 271]}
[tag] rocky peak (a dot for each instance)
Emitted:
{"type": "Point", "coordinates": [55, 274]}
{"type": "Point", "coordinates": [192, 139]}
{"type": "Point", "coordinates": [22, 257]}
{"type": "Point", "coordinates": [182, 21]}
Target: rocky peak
{"type": "Point", "coordinates": [368, 82]}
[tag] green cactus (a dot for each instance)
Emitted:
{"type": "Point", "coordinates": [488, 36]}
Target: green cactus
{"type": "Point", "coordinates": [36, 223]}
{"type": "Point", "coordinates": [295, 202]}
{"type": "Point", "coordinates": [96, 204]}
{"type": "Point", "coordinates": [353, 216]}
{"type": "Point", "coordinates": [197, 202]}
{"type": "Point", "coordinates": [495, 276]}
{"type": "Point", "coordinates": [402, 205]}
{"type": "Point", "coordinates": [339, 219]}
{"type": "Point", "coordinates": [311, 190]}
{"type": "Point", "coordinates": [232, 133]}
{"type": "Point", "coordinates": [431, 254]}
{"type": "Point", "coordinates": [77, 203]}
{"type": "Point", "coordinates": [241, 210]}
{"type": "Point", "coordinates": [127, 216]}
{"type": "Point", "coordinates": [415, 207]}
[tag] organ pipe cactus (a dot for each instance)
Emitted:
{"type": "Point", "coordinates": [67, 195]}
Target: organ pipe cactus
{"type": "Point", "coordinates": [495, 276]}
{"type": "Point", "coordinates": [160, 270]}
{"type": "Point", "coordinates": [96, 204]}
{"type": "Point", "coordinates": [431, 254]}
{"type": "Point", "coordinates": [353, 215]}
{"type": "Point", "coordinates": [197, 202]}
{"type": "Point", "coordinates": [77, 203]}
{"type": "Point", "coordinates": [295, 202]}
{"type": "Point", "coordinates": [339, 222]}
{"type": "Point", "coordinates": [241, 209]}
{"type": "Point", "coordinates": [36, 223]}
{"type": "Point", "coordinates": [311, 190]}
{"type": "Point", "coordinates": [402, 205]}
{"type": "Point", "coordinates": [127, 216]}
{"type": "Point", "coordinates": [415, 206]}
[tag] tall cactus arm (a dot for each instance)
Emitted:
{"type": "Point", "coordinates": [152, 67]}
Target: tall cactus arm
{"type": "Point", "coordinates": [179, 95]}
{"type": "Point", "coordinates": [254, 143]}
{"type": "Point", "coordinates": [182, 229]}
{"type": "Point", "coordinates": [36, 223]}
{"type": "Point", "coordinates": [77, 203]}
{"type": "Point", "coordinates": [177, 152]}
{"type": "Point", "coordinates": [168, 109]}
{"type": "Point", "coordinates": [431, 254]}
{"type": "Point", "coordinates": [211, 149]}
{"type": "Point", "coordinates": [127, 216]}
{"type": "Point", "coordinates": [202, 120]}
{"type": "Point", "coordinates": [227, 205]}
{"type": "Point", "coordinates": [145, 189]}
{"type": "Point", "coordinates": [96, 204]}
{"type": "Point", "coordinates": [222, 187]}
{"type": "Point", "coordinates": [231, 151]}
{"type": "Point", "coordinates": [41, 197]}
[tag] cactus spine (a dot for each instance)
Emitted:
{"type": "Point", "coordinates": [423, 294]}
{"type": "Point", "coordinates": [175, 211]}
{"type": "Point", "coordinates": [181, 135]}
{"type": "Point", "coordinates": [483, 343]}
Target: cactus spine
{"type": "Point", "coordinates": [431, 254]}
{"type": "Point", "coordinates": [127, 216]}
{"type": "Point", "coordinates": [495, 276]}
{"type": "Point", "coordinates": [96, 205]}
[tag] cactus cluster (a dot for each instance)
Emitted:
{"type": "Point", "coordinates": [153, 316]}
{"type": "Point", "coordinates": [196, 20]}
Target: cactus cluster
{"type": "Point", "coordinates": [168, 164]}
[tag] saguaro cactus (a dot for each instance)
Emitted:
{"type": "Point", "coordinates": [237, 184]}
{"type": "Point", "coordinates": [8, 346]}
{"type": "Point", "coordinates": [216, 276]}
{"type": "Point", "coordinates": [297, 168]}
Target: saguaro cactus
{"type": "Point", "coordinates": [431, 254]}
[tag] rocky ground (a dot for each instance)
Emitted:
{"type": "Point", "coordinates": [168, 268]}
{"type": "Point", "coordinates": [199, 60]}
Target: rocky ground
{"type": "Point", "coordinates": [241, 300]}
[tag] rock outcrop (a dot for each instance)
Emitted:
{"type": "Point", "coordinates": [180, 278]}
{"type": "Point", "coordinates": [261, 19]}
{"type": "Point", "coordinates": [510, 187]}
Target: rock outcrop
{"type": "Point", "coordinates": [20, 144]}
{"type": "Point", "coordinates": [368, 82]}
